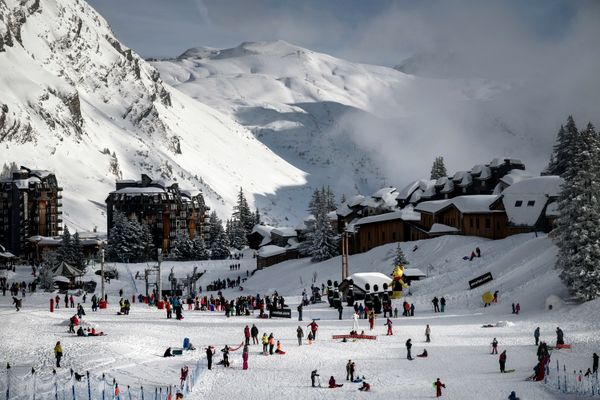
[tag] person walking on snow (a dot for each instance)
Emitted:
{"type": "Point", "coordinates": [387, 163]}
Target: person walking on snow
{"type": "Point", "coordinates": [300, 312]}
{"type": "Point", "coordinates": [389, 327]}
{"type": "Point", "coordinates": [247, 335]}
{"type": "Point", "coordinates": [58, 353]}
{"type": "Point", "coordinates": [536, 335]}
{"type": "Point", "coordinates": [355, 322]}
{"type": "Point", "coordinates": [502, 360]}
{"type": "Point", "coordinates": [494, 346]}
{"type": "Point", "coordinates": [245, 357]}
{"type": "Point", "coordinates": [271, 343]}
{"type": "Point", "coordinates": [427, 334]}
{"type": "Point", "coordinates": [210, 351]}
{"type": "Point", "coordinates": [517, 308]}
{"type": "Point", "coordinates": [348, 367]}
{"type": "Point", "coordinates": [435, 302]}
{"type": "Point", "coordinates": [254, 333]}
{"type": "Point", "coordinates": [313, 378]}
{"type": "Point", "coordinates": [443, 303]}
{"type": "Point", "coordinates": [438, 387]}
{"type": "Point", "coordinates": [408, 347]}
{"type": "Point", "coordinates": [594, 363]}
{"type": "Point", "coordinates": [313, 328]}
{"type": "Point", "coordinates": [560, 339]}
{"type": "Point", "coordinates": [371, 319]}
{"type": "Point", "coordinates": [183, 377]}
{"type": "Point", "coordinates": [300, 335]}
{"type": "Point", "coordinates": [265, 343]}
{"type": "Point", "coordinates": [340, 311]}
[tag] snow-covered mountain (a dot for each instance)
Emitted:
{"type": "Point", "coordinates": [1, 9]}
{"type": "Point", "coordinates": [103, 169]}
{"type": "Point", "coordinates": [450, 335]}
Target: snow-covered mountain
{"type": "Point", "coordinates": [74, 100]}
{"type": "Point", "coordinates": [353, 126]}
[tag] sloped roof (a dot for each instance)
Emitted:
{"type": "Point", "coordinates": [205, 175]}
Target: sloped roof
{"type": "Point", "coordinates": [284, 232]}
{"type": "Point", "coordinates": [64, 269]}
{"type": "Point", "coordinates": [406, 214]}
{"type": "Point", "coordinates": [465, 204]}
{"type": "Point", "coordinates": [343, 210]}
{"type": "Point", "coordinates": [270, 250]}
{"type": "Point", "coordinates": [514, 176]}
{"type": "Point", "coordinates": [441, 228]}
{"type": "Point", "coordinates": [360, 279]}
{"type": "Point", "coordinates": [355, 201]}
{"type": "Point", "coordinates": [265, 232]}
{"type": "Point", "coordinates": [525, 200]}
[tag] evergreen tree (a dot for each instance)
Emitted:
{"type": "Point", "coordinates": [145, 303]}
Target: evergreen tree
{"type": "Point", "coordinates": [256, 217]}
{"type": "Point", "coordinates": [182, 248]}
{"type": "Point", "coordinates": [316, 202]}
{"type": "Point", "coordinates": [129, 240]}
{"type": "Point", "coordinates": [65, 251]}
{"type": "Point", "coordinates": [242, 213]}
{"type": "Point", "coordinates": [8, 169]}
{"type": "Point", "coordinates": [200, 250]}
{"type": "Point", "coordinates": [329, 199]}
{"type": "Point", "coordinates": [218, 248]}
{"type": "Point", "coordinates": [438, 169]}
{"type": "Point", "coordinates": [323, 238]}
{"type": "Point", "coordinates": [78, 259]}
{"type": "Point", "coordinates": [237, 236]}
{"type": "Point", "coordinates": [214, 224]}
{"type": "Point", "coordinates": [399, 257]}
{"type": "Point", "coordinates": [564, 150]}
{"type": "Point", "coordinates": [577, 231]}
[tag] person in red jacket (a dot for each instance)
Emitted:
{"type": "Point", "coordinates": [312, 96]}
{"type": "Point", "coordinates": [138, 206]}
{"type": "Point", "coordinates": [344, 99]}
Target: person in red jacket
{"type": "Point", "coordinates": [247, 335]}
{"type": "Point", "coordinates": [168, 308]}
{"type": "Point", "coordinates": [438, 387]}
{"type": "Point", "coordinates": [313, 328]}
{"type": "Point", "coordinates": [502, 361]}
{"type": "Point", "coordinates": [333, 384]}
{"type": "Point", "coordinates": [389, 327]}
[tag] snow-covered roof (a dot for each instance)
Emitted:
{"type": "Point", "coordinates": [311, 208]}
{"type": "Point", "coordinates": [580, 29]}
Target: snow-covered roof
{"type": "Point", "coordinates": [24, 183]}
{"type": "Point", "coordinates": [441, 228]}
{"type": "Point", "coordinates": [407, 191]}
{"type": "Point", "coordinates": [371, 202]}
{"type": "Point", "coordinates": [343, 210]}
{"type": "Point", "coordinates": [384, 192]}
{"type": "Point", "coordinates": [270, 250]}
{"type": "Point", "coordinates": [191, 192]}
{"type": "Point", "coordinates": [265, 232]}
{"type": "Point", "coordinates": [481, 172]}
{"type": "Point", "coordinates": [332, 216]}
{"type": "Point", "coordinates": [413, 272]}
{"type": "Point", "coordinates": [406, 214]}
{"type": "Point", "coordinates": [514, 176]}
{"type": "Point", "coordinates": [463, 178]}
{"type": "Point", "coordinates": [42, 173]}
{"type": "Point", "coordinates": [140, 190]}
{"type": "Point", "coordinates": [284, 232]}
{"type": "Point", "coordinates": [360, 279]}
{"type": "Point", "coordinates": [525, 200]}
{"type": "Point", "coordinates": [496, 162]}
{"type": "Point", "coordinates": [465, 204]}
{"type": "Point", "coordinates": [355, 201]}
{"type": "Point", "coordinates": [5, 254]}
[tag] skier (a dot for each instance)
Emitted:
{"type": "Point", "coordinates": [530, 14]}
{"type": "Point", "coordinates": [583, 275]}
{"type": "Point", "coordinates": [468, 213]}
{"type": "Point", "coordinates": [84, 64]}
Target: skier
{"type": "Point", "coordinates": [502, 360]}
{"type": "Point", "coordinates": [17, 303]}
{"type": "Point", "coordinates": [300, 334]}
{"type": "Point", "coordinates": [559, 336]}
{"type": "Point", "coordinates": [389, 327]}
{"type": "Point", "coordinates": [536, 335]}
{"type": "Point", "coordinates": [595, 363]}
{"type": "Point", "coordinates": [245, 357]}
{"type": "Point", "coordinates": [443, 303]}
{"type": "Point", "coordinates": [247, 335]}
{"type": "Point", "coordinates": [494, 346]}
{"type": "Point", "coordinates": [313, 328]}
{"type": "Point", "coordinates": [495, 297]}
{"type": "Point", "coordinates": [435, 302]}
{"type": "Point", "coordinates": [438, 387]}
{"type": "Point", "coordinates": [254, 333]}
{"type": "Point", "coordinates": [300, 312]}
{"type": "Point", "coordinates": [209, 355]}
{"type": "Point", "coordinates": [408, 347]}
{"type": "Point", "coordinates": [313, 376]}
{"type": "Point", "coordinates": [427, 334]}
{"type": "Point", "coordinates": [58, 353]}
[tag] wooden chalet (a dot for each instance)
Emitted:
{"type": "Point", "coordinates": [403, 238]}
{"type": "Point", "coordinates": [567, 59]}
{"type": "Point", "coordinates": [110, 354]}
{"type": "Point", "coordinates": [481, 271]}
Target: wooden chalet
{"type": "Point", "coordinates": [377, 230]}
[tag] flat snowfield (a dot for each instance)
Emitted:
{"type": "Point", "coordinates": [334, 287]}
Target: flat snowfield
{"type": "Point", "coordinates": [459, 353]}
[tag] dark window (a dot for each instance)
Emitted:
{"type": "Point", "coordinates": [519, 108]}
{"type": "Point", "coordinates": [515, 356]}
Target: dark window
{"type": "Point", "coordinates": [518, 203]}
{"type": "Point", "coordinates": [488, 223]}
{"type": "Point", "coordinates": [530, 203]}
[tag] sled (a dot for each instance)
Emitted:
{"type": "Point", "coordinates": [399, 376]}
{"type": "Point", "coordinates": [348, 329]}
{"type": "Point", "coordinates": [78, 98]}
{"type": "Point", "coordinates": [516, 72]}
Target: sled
{"type": "Point", "coordinates": [563, 346]}
{"type": "Point", "coordinates": [281, 353]}
{"type": "Point", "coordinates": [368, 337]}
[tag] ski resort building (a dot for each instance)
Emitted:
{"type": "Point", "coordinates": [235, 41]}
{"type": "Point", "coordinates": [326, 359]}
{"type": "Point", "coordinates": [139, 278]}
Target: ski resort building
{"type": "Point", "coordinates": [377, 230]}
{"type": "Point", "coordinates": [30, 204]}
{"type": "Point", "coordinates": [167, 210]}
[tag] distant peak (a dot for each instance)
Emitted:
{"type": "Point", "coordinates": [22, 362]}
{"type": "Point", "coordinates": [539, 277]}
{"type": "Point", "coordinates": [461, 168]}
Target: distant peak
{"type": "Point", "coordinates": [277, 47]}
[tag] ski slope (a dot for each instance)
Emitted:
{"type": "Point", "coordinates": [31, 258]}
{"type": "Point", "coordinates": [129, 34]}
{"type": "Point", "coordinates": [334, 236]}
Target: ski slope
{"type": "Point", "coordinates": [523, 272]}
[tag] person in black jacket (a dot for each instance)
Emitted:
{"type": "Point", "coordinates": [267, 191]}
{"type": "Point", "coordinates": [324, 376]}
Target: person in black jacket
{"type": "Point", "coordinates": [408, 347]}
{"type": "Point", "coordinates": [209, 355]}
{"type": "Point", "coordinates": [313, 377]}
{"type": "Point", "coordinates": [594, 363]}
{"type": "Point", "coordinates": [254, 334]}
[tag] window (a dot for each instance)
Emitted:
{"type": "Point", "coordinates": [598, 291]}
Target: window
{"type": "Point", "coordinates": [518, 203]}
{"type": "Point", "coordinates": [488, 223]}
{"type": "Point", "coordinates": [530, 203]}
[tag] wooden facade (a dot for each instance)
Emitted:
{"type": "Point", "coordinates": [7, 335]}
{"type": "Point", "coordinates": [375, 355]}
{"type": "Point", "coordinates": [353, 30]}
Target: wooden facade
{"type": "Point", "coordinates": [166, 210]}
{"type": "Point", "coordinates": [265, 262]}
{"type": "Point", "coordinates": [30, 205]}
{"type": "Point", "coordinates": [378, 233]}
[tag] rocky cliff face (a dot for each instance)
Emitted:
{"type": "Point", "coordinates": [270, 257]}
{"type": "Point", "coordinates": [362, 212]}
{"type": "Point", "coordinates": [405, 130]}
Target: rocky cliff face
{"type": "Point", "coordinates": [69, 91]}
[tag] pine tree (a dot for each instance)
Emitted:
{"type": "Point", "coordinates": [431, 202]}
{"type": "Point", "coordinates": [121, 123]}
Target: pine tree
{"type": "Point", "coordinates": [200, 250]}
{"type": "Point", "coordinates": [399, 257]}
{"type": "Point", "coordinates": [8, 169]}
{"type": "Point", "coordinates": [214, 224]}
{"type": "Point", "coordinates": [438, 169]}
{"type": "Point", "coordinates": [323, 238]}
{"type": "Point", "coordinates": [315, 203]}
{"type": "Point", "coordinates": [129, 240]}
{"type": "Point", "coordinates": [65, 251]}
{"type": "Point", "coordinates": [218, 248]}
{"type": "Point", "coordinates": [242, 213]}
{"type": "Point", "coordinates": [256, 217]}
{"type": "Point", "coordinates": [78, 259]}
{"type": "Point", "coordinates": [329, 199]}
{"type": "Point", "coordinates": [577, 231]}
{"type": "Point", "coordinates": [564, 150]}
{"type": "Point", "coordinates": [182, 248]}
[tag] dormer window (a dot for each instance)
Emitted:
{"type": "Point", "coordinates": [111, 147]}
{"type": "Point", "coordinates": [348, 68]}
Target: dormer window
{"type": "Point", "coordinates": [518, 203]}
{"type": "Point", "coordinates": [530, 203]}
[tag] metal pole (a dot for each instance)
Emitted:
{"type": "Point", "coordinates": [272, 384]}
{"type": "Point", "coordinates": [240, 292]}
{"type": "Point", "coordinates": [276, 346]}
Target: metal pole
{"type": "Point", "coordinates": [89, 385]}
{"type": "Point", "coordinates": [158, 279]}
{"type": "Point", "coordinates": [102, 271]}
{"type": "Point", "coordinates": [7, 381]}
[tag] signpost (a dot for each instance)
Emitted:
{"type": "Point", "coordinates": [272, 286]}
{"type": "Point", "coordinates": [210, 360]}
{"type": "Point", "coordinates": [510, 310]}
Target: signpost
{"type": "Point", "coordinates": [480, 280]}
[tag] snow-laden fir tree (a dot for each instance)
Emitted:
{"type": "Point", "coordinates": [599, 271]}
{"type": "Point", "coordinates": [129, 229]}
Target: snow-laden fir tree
{"type": "Point", "coordinates": [237, 235]}
{"type": "Point", "coordinates": [214, 225]}
{"type": "Point", "coordinates": [438, 169]}
{"type": "Point", "coordinates": [242, 213]}
{"type": "Point", "coordinates": [577, 229]}
{"type": "Point", "coordinates": [565, 149]}
{"type": "Point", "coordinates": [182, 248]}
{"type": "Point", "coordinates": [329, 199]}
{"type": "Point", "coordinates": [218, 248]}
{"type": "Point", "coordinates": [129, 240]}
{"type": "Point", "coordinates": [70, 250]}
{"type": "Point", "coordinates": [78, 259]}
{"type": "Point", "coordinates": [399, 257]}
{"type": "Point", "coordinates": [200, 249]}
{"type": "Point", "coordinates": [321, 239]}
{"type": "Point", "coordinates": [8, 169]}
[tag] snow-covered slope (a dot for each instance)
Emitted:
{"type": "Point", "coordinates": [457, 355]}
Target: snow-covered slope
{"type": "Point", "coordinates": [353, 126]}
{"type": "Point", "coordinates": [75, 101]}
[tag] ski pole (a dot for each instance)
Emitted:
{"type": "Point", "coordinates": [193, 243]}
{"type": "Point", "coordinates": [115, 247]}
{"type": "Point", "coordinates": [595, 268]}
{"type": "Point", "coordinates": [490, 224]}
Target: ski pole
{"type": "Point", "coordinates": [89, 385]}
